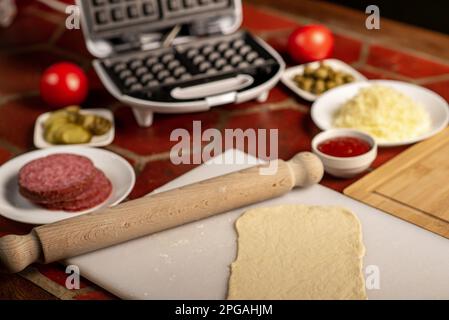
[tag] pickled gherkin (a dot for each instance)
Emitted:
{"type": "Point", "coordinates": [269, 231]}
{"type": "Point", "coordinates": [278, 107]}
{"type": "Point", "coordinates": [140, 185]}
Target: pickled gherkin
{"type": "Point", "coordinates": [70, 126]}
{"type": "Point", "coordinates": [95, 124]}
{"type": "Point", "coordinates": [74, 134]}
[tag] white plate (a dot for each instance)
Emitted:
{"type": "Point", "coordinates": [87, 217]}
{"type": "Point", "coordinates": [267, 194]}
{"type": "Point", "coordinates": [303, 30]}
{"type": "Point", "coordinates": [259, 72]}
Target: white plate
{"type": "Point", "coordinates": [337, 65]}
{"type": "Point", "coordinates": [437, 108]}
{"type": "Point", "coordinates": [97, 141]}
{"type": "Point", "coordinates": [15, 207]}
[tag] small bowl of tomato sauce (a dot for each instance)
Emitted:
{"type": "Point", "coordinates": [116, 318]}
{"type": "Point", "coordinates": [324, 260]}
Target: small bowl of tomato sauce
{"type": "Point", "coordinates": [345, 152]}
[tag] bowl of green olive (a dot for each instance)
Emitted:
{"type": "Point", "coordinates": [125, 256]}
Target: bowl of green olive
{"type": "Point", "coordinates": [311, 80]}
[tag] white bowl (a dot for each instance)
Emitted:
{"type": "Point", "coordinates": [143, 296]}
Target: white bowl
{"type": "Point", "coordinates": [338, 65]}
{"type": "Point", "coordinates": [327, 104]}
{"type": "Point", "coordinates": [97, 141]}
{"type": "Point", "coordinates": [345, 167]}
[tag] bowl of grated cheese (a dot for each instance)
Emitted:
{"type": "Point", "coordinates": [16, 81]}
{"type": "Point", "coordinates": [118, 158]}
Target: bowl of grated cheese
{"type": "Point", "coordinates": [395, 113]}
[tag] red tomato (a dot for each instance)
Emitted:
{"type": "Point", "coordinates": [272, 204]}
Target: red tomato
{"type": "Point", "coordinates": [63, 84]}
{"type": "Point", "coordinates": [310, 43]}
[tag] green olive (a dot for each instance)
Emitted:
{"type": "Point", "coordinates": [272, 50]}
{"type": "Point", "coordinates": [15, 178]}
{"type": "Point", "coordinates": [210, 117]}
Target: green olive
{"type": "Point", "coordinates": [339, 80]}
{"type": "Point", "coordinates": [330, 84]}
{"type": "Point", "coordinates": [349, 78]}
{"type": "Point", "coordinates": [307, 84]}
{"type": "Point", "coordinates": [320, 87]}
{"type": "Point", "coordinates": [298, 79]}
{"type": "Point", "coordinates": [308, 71]}
{"type": "Point", "coordinates": [321, 73]}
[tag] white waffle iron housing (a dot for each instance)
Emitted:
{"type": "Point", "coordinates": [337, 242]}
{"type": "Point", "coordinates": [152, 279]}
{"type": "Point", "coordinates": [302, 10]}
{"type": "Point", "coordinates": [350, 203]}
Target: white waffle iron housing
{"type": "Point", "coordinates": [177, 56]}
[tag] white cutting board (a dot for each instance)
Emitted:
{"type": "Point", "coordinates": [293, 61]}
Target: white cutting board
{"type": "Point", "coordinates": [192, 261]}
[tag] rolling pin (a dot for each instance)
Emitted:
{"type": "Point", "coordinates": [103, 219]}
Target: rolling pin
{"type": "Point", "coordinates": [154, 213]}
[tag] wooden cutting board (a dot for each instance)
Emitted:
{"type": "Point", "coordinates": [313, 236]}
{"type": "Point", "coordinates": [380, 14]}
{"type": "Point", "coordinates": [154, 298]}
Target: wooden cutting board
{"type": "Point", "coordinates": [414, 186]}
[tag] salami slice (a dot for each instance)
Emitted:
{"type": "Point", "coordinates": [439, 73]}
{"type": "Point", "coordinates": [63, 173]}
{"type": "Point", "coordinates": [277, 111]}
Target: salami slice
{"type": "Point", "coordinates": [96, 194]}
{"type": "Point", "coordinates": [58, 177]}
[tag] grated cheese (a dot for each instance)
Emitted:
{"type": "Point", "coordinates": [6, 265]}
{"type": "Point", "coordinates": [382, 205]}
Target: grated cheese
{"type": "Point", "coordinates": [385, 113]}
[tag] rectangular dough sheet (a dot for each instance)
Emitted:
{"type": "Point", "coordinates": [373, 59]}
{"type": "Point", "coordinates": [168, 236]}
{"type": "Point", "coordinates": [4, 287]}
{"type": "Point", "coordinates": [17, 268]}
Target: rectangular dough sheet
{"type": "Point", "coordinates": [298, 252]}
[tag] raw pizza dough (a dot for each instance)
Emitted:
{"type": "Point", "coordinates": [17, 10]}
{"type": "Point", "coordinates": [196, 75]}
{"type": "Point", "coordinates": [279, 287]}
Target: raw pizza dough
{"type": "Point", "coordinates": [298, 252]}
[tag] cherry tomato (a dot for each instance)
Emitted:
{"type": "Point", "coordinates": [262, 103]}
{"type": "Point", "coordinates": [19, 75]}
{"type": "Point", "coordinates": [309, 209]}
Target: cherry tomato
{"type": "Point", "coordinates": [63, 84]}
{"type": "Point", "coordinates": [310, 43]}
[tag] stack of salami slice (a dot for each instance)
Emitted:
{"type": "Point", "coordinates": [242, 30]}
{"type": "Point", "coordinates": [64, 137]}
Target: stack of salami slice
{"type": "Point", "coordinates": [64, 181]}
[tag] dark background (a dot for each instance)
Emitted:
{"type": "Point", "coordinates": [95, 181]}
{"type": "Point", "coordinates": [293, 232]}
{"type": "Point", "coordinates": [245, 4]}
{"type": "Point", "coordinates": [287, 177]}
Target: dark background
{"type": "Point", "coordinates": [430, 14]}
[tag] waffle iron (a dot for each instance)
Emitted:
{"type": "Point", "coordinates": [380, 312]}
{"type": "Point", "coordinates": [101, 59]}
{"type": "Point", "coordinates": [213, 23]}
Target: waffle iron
{"type": "Point", "coordinates": [177, 56]}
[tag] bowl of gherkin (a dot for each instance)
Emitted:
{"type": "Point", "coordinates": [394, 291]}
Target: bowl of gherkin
{"type": "Point", "coordinates": [311, 80]}
{"type": "Point", "coordinates": [74, 126]}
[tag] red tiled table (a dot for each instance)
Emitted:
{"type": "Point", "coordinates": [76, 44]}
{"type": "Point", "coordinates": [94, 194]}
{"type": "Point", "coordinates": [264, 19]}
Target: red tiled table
{"type": "Point", "coordinates": [38, 38]}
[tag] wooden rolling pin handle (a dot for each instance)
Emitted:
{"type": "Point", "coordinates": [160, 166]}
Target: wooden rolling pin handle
{"type": "Point", "coordinates": [306, 168]}
{"type": "Point", "coordinates": [17, 252]}
{"type": "Point", "coordinates": [154, 213]}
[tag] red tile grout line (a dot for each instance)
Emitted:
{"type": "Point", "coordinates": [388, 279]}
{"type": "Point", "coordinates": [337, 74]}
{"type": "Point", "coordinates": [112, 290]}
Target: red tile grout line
{"type": "Point", "coordinates": [270, 33]}
{"type": "Point", "coordinates": [12, 97]}
{"type": "Point", "coordinates": [49, 16]}
{"type": "Point", "coordinates": [52, 287]}
{"type": "Point", "coordinates": [57, 34]}
{"type": "Point", "coordinates": [412, 52]}
{"type": "Point", "coordinates": [286, 104]}
{"type": "Point", "coordinates": [10, 147]}
{"type": "Point", "coordinates": [429, 80]}
{"type": "Point", "coordinates": [35, 276]}
{"type": "Point", "coordinates": [24, 49]}
{"type": "Point", "coordinates": [386, 73]}
{"type": "Point", "coordinates": [223, 118]}
{"type": "Point", "coordinates": [82, 60]}
{"type": "Point", "coordinates": [363, 58]}
{"type": "Point", "coordinates": [420, 81]}
{"type": "Point", "coordinates": [137, 157]}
